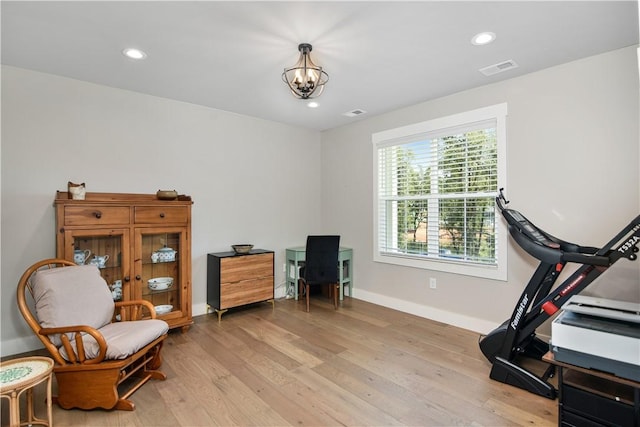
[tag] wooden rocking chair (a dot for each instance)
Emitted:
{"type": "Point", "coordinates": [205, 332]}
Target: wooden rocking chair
{"type": "Point", "coordinates": [74, 317]}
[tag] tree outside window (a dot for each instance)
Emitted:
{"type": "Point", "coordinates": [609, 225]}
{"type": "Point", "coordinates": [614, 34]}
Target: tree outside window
{"type": "Point", "coordinates": [436, 194]}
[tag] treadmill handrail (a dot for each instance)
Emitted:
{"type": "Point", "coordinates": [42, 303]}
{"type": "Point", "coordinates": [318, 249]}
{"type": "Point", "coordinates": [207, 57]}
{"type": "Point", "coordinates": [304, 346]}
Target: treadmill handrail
{"type": "Point", "coordinates": [545, 247]}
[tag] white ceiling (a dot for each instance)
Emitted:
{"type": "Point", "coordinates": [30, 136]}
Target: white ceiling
{"type": "Point", "coordinates": [380, 56]}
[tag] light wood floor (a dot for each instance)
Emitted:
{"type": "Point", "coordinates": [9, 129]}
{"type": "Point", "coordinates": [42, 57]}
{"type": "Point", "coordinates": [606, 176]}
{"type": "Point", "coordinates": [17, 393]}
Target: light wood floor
{"type": "Point", "coordinates": [362, 365]}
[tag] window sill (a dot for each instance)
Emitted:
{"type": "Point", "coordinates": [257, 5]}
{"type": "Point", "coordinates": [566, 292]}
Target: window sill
{"type": "Point", "coordinates": [475, 270]}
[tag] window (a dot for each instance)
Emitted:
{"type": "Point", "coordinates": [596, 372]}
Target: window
{"type": "Point", "coordinates": [435, 188]}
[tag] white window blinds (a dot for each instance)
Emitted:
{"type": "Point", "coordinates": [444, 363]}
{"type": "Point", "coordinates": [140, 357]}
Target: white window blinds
{"type": "Point", "coordinates": [436, 188]}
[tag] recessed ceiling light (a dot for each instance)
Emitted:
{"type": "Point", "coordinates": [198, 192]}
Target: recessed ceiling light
{"type": "Point", "coordinates": [483, 38]}
{"type": "Point", "coordinates": [313, 104]}
{"type": "Point", "coordinates": [134, 53]}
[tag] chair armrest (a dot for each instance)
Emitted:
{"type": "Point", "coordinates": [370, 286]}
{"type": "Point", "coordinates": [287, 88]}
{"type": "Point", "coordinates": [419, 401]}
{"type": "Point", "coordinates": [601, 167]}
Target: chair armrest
{"type": "Point", "coordinates": [133, 309]}
{"type": "Point", "coordinates": [76, 354]}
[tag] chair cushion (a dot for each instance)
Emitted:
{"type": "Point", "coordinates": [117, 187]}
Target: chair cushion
{"type": "Point", "coordinates": [123, 338]}
{"type": "Point", "coordinates": [68, 296]}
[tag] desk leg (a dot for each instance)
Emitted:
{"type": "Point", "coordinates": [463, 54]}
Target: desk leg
{"type": "Point", "coordinates": [292, 259]}
{"type": "Point", "coordinates": [296, 270]}
{"type": "Point", "coordinates": [340, 283]}
{"type": "Point", "coordinates": [287, 275]}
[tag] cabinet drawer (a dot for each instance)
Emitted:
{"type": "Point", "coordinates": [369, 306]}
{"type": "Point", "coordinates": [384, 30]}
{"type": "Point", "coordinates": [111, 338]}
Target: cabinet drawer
{"type": "Point", "coordinates": [568, 419]}
{"type": "Point", "coordinates": [161, 215]}
{"type": "Point", "coordinates": [597, 408]}
{"type": "Point", "coordinates": [239, 268]}
{"type": "Point", "coordinates": [96, 215]}
{"type": "Point", "coordinates": [245, 292]}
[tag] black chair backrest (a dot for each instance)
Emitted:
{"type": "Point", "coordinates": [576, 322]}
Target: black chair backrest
{"type": "Point", "coordinates": [321, 259]}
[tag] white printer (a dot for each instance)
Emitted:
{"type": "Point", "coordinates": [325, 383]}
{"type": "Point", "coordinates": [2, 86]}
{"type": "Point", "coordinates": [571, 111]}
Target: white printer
{"type": "Point", "coordinates": [600, 334]}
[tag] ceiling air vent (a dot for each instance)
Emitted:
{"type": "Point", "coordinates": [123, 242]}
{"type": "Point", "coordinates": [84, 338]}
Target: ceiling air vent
{"type": "Point", "coordinates": [498, 68]}
{"type": "Point", "coordinates": [354, 113]}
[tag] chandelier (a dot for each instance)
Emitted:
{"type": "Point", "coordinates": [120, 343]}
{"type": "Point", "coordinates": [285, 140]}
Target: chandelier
{"type": "Point", "coordinates": [305, 79]}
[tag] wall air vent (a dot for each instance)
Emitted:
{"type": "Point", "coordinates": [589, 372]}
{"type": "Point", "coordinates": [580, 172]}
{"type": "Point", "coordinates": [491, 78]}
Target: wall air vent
{"type": "Point", "coordinates": [498, 68]}
{"type": "Point", "coordinates": [354, 113]}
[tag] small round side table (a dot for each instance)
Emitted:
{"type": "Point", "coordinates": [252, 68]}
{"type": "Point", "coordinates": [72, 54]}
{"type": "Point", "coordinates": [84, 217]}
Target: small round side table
{"type": "Point", "coordinates": [20, 375]}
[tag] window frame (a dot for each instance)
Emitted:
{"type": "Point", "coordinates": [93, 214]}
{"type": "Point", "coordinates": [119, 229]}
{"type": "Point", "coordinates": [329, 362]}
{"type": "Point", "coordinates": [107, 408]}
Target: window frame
{"type": "Point", "coordinates": [437, 126]}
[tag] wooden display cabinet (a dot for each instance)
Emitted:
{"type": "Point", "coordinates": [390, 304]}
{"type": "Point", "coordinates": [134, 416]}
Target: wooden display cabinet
{"type": "Point", "coordinates": [132, 229]}
{"type": "Point", "coordinates": [234, 279]}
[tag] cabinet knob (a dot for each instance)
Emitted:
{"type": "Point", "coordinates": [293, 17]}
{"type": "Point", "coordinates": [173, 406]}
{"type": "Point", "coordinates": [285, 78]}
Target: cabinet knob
{"type": "Point", "coordinates": [161, 214]}
{"type": "Point", "coordinates": [138, 277]}
{"type": "Point", "coordinates": [127, 279]}
{"type": "Point", "coordinates": [97, 214]}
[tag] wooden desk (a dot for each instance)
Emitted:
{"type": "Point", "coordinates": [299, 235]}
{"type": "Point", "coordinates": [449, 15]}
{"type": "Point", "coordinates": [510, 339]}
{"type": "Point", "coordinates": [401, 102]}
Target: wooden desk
{"type": "Point", "coordinates": [295, 259]}
{"type": "Point", "coordinates": [587, 397]}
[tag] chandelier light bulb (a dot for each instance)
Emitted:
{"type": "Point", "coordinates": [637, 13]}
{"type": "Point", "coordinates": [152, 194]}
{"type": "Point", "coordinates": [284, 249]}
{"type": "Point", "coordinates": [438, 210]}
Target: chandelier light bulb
{"type": "Point", "coordinates": [305, 79]}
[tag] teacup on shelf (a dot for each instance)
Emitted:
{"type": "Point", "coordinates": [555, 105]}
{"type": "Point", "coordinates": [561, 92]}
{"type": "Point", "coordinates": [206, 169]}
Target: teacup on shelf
{"type": "Point", "coordinates": [116, 290]}
{"type": "Point", "coordinates": [99, 260]}
{"type": "Point", "coordinates": [80, 256]}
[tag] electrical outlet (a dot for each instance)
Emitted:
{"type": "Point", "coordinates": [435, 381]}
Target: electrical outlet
{"type": "Point", "coordinates": [432, 282]}
{"type": "Point", "coordinates": [284, 268]}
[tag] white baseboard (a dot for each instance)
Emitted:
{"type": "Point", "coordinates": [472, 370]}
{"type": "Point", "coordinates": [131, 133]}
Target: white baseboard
{"type": "Point", "coordinates": [200, 309]}
{"type": "Point", "coordinates": [455, 319]}
{"type": "Point", "coordinates": [280, 292]}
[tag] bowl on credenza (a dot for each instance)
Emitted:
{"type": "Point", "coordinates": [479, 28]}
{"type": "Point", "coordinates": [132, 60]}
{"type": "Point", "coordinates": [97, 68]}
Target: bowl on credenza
{"type": "Point", "coordinates": [163, 309]}
{"type": "Point", "coordinates": [167, 194]}
{"type": "Point", "coordinates": [160, 283]}
{"type": "Point", "coordinates": [242, 249]}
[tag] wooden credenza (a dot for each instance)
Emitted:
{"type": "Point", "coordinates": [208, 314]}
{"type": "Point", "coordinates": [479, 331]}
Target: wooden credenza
{"type": "Point", "coordinates": [130, 232]}
{"type": "Point", "coordinates": [234, 279]}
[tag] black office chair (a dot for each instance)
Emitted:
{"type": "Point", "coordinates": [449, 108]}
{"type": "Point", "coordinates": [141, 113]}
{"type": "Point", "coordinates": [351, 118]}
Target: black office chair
{"type": "Point", "coordinates": [321, 266]}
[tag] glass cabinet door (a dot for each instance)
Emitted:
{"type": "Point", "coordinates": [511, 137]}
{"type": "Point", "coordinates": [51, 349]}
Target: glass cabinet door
{"type": "Point", "coordinates": [159, 269]}
{"type": "Point", "coordinates": [106, 249]}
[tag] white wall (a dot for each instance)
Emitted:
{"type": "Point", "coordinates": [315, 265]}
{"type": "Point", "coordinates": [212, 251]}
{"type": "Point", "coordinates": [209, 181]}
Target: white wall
{"type": "Point", "coordinates": [248, 177]}
{"type": "Point", "coordinates": [572, 168]}
{"type": "Point", "coordinates": [573, 161]}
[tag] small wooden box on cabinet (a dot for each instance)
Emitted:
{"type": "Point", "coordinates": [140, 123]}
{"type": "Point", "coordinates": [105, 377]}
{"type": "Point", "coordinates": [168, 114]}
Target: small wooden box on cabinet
{"type": "Point", "coordinates": [143, 237]}
{"type": "Point", "coordinates": [234, 279]}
